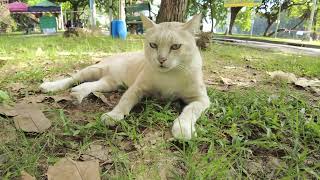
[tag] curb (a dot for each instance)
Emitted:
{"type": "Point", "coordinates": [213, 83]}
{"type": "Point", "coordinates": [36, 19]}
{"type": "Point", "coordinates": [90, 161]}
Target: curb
{"type": "Point", "coordinates": [227, 38]}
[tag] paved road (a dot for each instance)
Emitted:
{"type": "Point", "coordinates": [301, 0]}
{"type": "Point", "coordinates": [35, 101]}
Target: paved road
{"type": "Point", "coordinates": [274, 47]}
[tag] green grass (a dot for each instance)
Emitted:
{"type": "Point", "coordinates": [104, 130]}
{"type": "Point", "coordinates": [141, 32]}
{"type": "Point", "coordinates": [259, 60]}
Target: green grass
{"type": "Point", "coordinates": [270, 131]}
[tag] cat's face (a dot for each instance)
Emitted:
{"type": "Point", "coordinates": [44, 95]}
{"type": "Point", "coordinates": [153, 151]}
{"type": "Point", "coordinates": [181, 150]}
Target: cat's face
{"type": "Point", "coordinates": [170, 45]}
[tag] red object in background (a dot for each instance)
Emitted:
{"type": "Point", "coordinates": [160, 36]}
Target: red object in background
{"type": "Point", "coordinates": [18, 7]}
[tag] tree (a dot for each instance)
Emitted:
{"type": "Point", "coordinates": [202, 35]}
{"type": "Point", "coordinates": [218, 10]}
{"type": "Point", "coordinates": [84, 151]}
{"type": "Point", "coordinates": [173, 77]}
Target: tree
{"type": "Point", "coordinates": [269, 9]}
{"type": "Point", "coordinates": [213, 8]}
{"type": "Point", "coordinates": [234, 13]}
{"type": "Point", "coordinates": [244, 19]}
{"type": "Point", "coordinates": [172, 11]}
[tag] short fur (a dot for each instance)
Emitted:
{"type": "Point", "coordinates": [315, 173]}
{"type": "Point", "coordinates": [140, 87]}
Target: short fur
{"type": "Point", "coordinates": [164, 70]}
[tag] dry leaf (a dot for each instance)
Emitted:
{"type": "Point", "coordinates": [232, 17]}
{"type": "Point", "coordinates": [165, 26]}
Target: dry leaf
{"type": "Point", "coordinates": [58, 98]}
{"type": "Point", "coordinates": [30, 118]}
{"type": "Point", "coordinates": [67, 169]}
{"type": "Point", "coordinates": [26, 176]}
{"type": "Point", "coordinates": [34, 99]}
{"type": "Point", "coordinates": [210, 82]}
{"type": "Point", "coordinates": [303, 82]}
{"type": "Point", "coordinates": [102, 97]}
{"type": "Point", "coordinates": [7, 133]}
{"type": "Point", "coordinates": [8, 111]}
{"type": "Point", "coordinates": [226, 81]}
{"type": "Point", "coordinates": [96, 151]}
{"type": "Point", "coordinates": [280, 75]}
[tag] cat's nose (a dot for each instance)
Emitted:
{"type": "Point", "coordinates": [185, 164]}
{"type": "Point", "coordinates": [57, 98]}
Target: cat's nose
{"type": "Point", "coordinates": [162, 59]}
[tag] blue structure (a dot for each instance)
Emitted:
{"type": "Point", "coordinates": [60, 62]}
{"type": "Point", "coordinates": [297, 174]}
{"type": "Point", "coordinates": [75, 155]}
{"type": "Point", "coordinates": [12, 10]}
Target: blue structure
{"type": "Point", "coordinates": [118, 29]}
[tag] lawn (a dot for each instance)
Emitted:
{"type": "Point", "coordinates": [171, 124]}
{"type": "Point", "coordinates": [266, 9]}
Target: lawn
{"type": "Point", "coordinates": [264, 130]}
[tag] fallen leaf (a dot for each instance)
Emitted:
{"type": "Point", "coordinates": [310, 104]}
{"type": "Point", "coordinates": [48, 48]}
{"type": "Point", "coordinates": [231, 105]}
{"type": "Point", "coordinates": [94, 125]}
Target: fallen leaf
{"type": "Point", "coordinates": [7, 133]}
{"type": "Point", "coordinates": [102, 97]}
{"type": "Point", "coordinates": [8, 111]}
{"type": "Point", "coordinates": [226, 81]}
{"type": "Point", "coordinates": [34, 99]}
{"type": "Point", "coordinates": [67, 169]}
{"type": "Point", "coordinates": [280, 75]}
{"type": "Point", "coordinates": [30, 118]}
{"type": "Point", "coordinates": [315, 90]}
{"type": "Point", "coordinates": [58, 98]}
{"type": "Point", "coordinates": [41, 98]}
{"type": "Point", "coordinates": [303, 82]}
{"type": "Point", "coordinates": [210, 82]}
{"type": "Point", "coordinates": [26, 176]}
{"type": "Point", "coordinates": [96, 151]}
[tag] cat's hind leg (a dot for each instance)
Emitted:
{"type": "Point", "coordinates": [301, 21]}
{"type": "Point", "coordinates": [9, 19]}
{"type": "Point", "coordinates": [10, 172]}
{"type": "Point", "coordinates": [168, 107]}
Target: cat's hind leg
{"type": "Point", "coordinates": [91, 73]}
{"type": "Point", "coordinates": [83, 90]}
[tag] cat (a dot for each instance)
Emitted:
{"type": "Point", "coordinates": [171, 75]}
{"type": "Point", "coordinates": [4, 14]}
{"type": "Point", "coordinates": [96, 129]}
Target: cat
{"type": "Point", "coordinates": [170, 65]}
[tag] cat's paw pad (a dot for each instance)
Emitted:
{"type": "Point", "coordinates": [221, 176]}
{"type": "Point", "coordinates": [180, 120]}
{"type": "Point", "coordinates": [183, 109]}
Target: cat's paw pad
{"type": "Point", "coordinates": [111, 118]}
{"type": "Point", "coordinates": [183, 130]}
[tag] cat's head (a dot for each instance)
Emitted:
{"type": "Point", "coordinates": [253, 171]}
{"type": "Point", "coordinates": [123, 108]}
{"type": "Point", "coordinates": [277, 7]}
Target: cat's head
{"type": "Point", "coordinates": [170, 45]}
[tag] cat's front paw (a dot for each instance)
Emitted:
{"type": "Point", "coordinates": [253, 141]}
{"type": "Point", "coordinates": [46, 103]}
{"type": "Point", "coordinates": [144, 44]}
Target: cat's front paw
{"type": "Point", "coordinates": [54, 86]}
{"type": "Point", "coordinates": [111, 118]}
{"type": "Point", "coordinates": [184, 130]}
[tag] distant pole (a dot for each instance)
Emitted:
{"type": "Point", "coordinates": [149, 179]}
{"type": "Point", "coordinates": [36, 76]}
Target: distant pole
{"type": "Point", "coordinates": [110, 10]}
{"type": "Point", "coordinates": [228, 20]}
{"type": "Point", "coordinates": [122, 15]}
{"type": "Point", "coordinates": [92, 13]}
{"type": "Point", "coordinates": [278, 20]}
{"type": "Point", "coordinates": [313, 9]}
{"type": "Point", "coordinates": [61, 18]}
{"type": "Point", "coordinates": [252, 21]}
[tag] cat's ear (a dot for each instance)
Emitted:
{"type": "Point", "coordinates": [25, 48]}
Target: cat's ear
{"type": "Point", "coordinates": [193, 25]}
{"type": "Point", "coordinates": [147, 23]}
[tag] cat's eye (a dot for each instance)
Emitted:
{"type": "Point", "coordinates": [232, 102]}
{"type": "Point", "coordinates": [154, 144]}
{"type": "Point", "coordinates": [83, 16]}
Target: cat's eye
{"type": "Point", "coordinates": [175, 46]}
{"type": "Point", "coordinates": [153, 45]}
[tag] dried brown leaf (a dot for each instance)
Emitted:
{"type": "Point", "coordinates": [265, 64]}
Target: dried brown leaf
{"type": "Point", "coordinates": [102, 97]}
{"type": "Point", "coordinates": [8, 111]}
{"type": "Point", "coordinates": [26, 176]}
{"type": "Point", "coordinates": [67, 169]}
{"type": "Point", "coordinates": [7, 133]}
{"type": "Point", "coordinates": [96, 151]}
{"type": "Point", "coordinates": [30, 118]}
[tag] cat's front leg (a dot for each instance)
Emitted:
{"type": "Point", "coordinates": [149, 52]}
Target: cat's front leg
{"type": "Point", "coordinates": [184, 125]}
{"type": "Point", "coordinates": [127, 101]}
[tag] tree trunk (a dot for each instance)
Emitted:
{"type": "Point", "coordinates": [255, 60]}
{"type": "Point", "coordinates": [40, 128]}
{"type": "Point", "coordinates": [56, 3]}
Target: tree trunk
{"type": "Point", "coordinates": [234, 13]}
{"type": "Point", "coordinates": [267, 28]}
{"type": "Point", "coordinates": [314, 33]}
{"type": "Point", "coordinates": [172, 11]}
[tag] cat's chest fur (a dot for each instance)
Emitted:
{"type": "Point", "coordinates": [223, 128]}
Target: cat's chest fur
{"type": "Point", "coordinates": [172, 84]}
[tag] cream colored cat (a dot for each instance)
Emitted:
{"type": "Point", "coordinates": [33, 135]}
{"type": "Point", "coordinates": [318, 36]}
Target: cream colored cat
{"type": "Point", "coordinates": [170, 66]}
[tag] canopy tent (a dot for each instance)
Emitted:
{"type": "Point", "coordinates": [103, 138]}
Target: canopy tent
{"type": "Point", "coordinates": [45, 6]}
{"type": "Point", "coordinates": [17, 7]}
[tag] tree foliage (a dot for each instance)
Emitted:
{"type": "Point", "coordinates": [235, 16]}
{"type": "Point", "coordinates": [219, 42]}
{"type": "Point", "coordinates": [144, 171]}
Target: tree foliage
{"type": "Point", "coordinates": [243, 19]}
{"type": "Point", "coordinates": [212, 8]}
{"type": "Point", "coordinates": [269, 9]}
